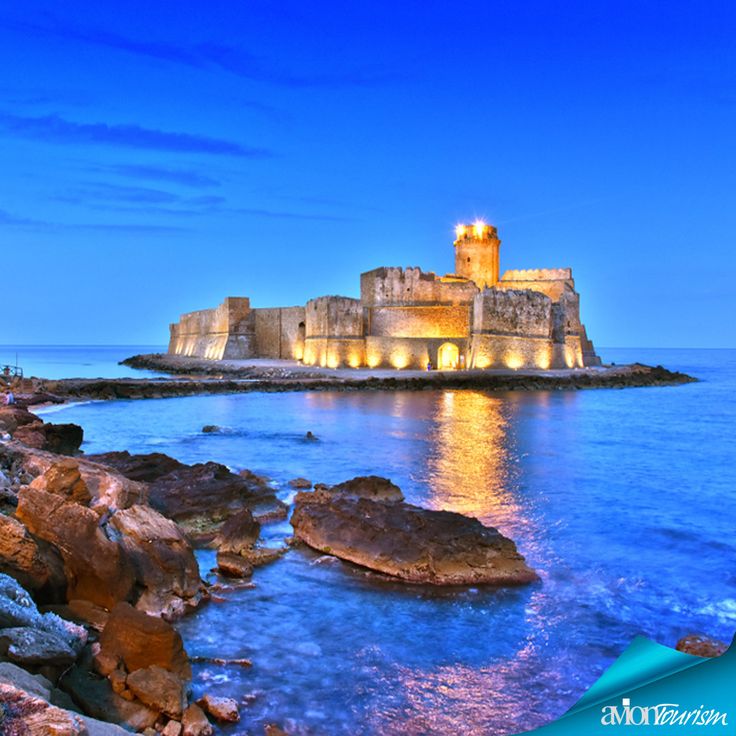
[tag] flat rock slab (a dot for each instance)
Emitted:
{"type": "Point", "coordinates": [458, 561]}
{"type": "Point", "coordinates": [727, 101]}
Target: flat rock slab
{"type": "Point", "coordinates": [407, 542]}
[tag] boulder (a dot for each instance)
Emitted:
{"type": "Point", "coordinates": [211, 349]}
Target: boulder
{"type": "Point", "coordinates": [145, 467]}
{"type": "Point", "coordinates": [140, 640]}
{"type": "Point", "coordinates": [221, 709]}
{"type": "Point", "coordinates": [369, 486]}
{"type": "Point", "coordinates": [38, 685]}
{"type": "Point", "coordinates": [96, 567]}
{"type": "Point", "coordinates": [163, 561]}
{"type": "Point", "coordinates": [233, 566]}
{"type": "Point", "coordinates": [34, 563]}
{"type": "Point", "coordinates": [202, 497]}
{"type": "Point", "coordinates": [701, 645]}
{"type": "Point", "coordinates": [159, 689]}
{"type": "Point", "coordinates": [407, 542]}
{"type": "Point", "coordinates": [95, 696]}
{"type": "Point", "coordinates": [210, 428]}
{"type": "Point", "coordinates": [172, 728]}
{"type": "Point", "coordinates": [300, 483]}
{"type": "Point", "coordinates": [194, 722]}
{"type": "Point", "coordinates": [22, 713]}
{"type": "Point", "coordinates": [238, 533]}
{"type": "Point", "coordinates": [64, 439]}
{"type": "Point", "coordinates": [12, 417]}
{"type": "Point", "coordinates": [31, 638]}
{"type": "Point", "coordinates": [65, 479]}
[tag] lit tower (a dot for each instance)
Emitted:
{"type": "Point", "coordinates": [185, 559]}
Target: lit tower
{"type": "Point", "coordinates": [477, 253]}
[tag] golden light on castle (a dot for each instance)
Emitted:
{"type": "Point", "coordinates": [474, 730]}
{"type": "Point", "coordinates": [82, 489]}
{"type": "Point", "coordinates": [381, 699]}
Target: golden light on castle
{"type": "Point", "coordinates": [459, 231]}
{"type": "Point", "coordinates": [479, 227]}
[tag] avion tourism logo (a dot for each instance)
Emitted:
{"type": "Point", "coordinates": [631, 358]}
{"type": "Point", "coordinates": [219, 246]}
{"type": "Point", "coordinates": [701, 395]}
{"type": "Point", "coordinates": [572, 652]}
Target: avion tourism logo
{"type": "Point", "coordinates": [662, 714]}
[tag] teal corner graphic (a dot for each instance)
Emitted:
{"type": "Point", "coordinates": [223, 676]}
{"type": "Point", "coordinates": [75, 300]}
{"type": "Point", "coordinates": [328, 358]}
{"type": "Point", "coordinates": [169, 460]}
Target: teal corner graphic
{"type": "Point", "coordinates": [652, 689]}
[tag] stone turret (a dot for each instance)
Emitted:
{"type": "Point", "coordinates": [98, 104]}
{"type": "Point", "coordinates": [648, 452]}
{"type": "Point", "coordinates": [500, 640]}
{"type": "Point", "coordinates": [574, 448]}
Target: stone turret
{"type": "Point", "coordinates": [477, 253]}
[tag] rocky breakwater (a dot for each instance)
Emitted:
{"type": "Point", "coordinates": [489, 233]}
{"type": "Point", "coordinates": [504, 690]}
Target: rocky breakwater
{"type": "Point", "coordinates": [367, 522]}
{"type": "Point", "coordinates": [26, 427]}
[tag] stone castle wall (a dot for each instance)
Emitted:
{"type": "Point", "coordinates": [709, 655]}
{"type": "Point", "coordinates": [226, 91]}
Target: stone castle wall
{"type": "Point", "coordinates": [225, 332]}
{"type": "Point", "coordinates": [334, 335]}
{"type": "Point", "coordinates": [391, 287]}
{"type": "Point", "coordinates": [553, 282]}
{"type": "Point", "coordinates": [279, 332]}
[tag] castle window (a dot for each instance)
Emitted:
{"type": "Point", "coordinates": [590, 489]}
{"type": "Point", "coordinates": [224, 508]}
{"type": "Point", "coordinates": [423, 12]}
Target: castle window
{"type": "Point", "coordinates": [468, 260]}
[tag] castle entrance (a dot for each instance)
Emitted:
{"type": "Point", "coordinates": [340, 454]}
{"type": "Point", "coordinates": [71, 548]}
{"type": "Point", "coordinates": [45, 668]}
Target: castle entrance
{"type": "Point", "coordinates": [448, 357]}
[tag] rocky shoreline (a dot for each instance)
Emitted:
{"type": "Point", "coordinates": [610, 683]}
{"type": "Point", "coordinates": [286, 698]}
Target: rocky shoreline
{"type": "Point", "coordinates": [199, 377]}
{"type": "Point", "coordinates": [97, 563]}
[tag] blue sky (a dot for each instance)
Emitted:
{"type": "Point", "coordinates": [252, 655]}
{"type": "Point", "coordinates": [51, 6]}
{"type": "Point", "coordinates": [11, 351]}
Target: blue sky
{"type": "Point", "coordinates": [157, 157]}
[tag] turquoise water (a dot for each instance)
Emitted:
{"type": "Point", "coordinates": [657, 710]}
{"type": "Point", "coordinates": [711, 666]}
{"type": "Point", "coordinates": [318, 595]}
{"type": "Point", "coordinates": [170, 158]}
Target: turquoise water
{"type": "Point", "coordinates": [623, 500]}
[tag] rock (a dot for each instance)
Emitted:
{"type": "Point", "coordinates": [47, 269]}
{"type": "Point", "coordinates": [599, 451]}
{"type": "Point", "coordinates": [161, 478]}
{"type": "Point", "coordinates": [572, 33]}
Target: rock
{"type": "Point", "coordinates": [172, 728]}
{"type": "Point", "coordinates": [31, 638]}
{"type": "Point", "coordinates": [82, 612]}
{"type": "Point", "coordinates": [95, 696]}
{"type": "Point", "coordinates": [12, 417]}
{"type": "Point", "coordinates": [163, 561]}
{"type": "Point", "coordinates": [22, 713]}
{"type": "Point", "coordinates": [118, 682]}
{"type": "Point", "coordinates": [301, 483]}
{"type": "Point", "coordinates": [96, 568]}
{"type": "Point", "coordinates": [271, 729]}
{"type": "Point", "coordinates": [144, 467]}
{"type": "Point", "coordinates": [238, 533]}
{"type": "Point", "coordinates": [221, 709]}
{"type": "Point", "coordinates": [210, 428]}
{"type": "Point", "coordinates": [36, 685]}
{"type": "Point", "coordinates": [140, 640]}
{"type": "Point", "coordinates": [65, 479]}
{"type": "Point", "coordinates": [34, 563]}
{"type": "Point", "coordinates": [233, 565]}
{"type": "Point", "coordinates": [413, 544]}
{"type": "Point", "coordinates": [159, 689]}
{"type": "Point", "coordinates": [64, 439]}
{"type": "Point", "coordinates": [310, 437]}
{"type": "Point", "coordinates": [701, 645]}
{"type": "Point", "coordinates": [109, 489]}
{"type": "Point", "coordinates": [369, 486]}
{"type": "Point", "coordinates": [202, 497]}
{"type": "Point", "coordinates": [194, 722]}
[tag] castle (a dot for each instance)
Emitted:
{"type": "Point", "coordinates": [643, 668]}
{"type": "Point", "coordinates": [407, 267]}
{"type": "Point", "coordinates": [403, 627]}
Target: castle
{"type": "Point", "coordinates": [408, 318]}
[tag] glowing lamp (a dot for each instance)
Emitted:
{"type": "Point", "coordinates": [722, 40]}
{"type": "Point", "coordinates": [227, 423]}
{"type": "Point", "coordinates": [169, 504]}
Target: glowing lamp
{"type": "Point", "coordinates": [459, 231]}
{"type": "Point", "coordinates": [479, 227]}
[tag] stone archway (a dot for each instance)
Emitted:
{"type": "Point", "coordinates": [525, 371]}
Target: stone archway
{"type": "Point", "coordinates": [448, 356]}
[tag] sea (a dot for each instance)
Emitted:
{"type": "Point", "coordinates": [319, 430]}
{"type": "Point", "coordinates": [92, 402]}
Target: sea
{"type": "Point", "coordinates": [623, 500]}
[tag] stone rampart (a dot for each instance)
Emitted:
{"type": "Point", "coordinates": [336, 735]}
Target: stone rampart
{"type": "Point", "coordinates": [394, 287]}
{"type": "Point", "coordinates": [334, 332]}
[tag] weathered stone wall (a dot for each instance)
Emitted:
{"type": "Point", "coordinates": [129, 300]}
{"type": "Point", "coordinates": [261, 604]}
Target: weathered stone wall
{"type": "Point", "coordinates": [225, 332]}
{"type": "Point", "coordinates": [392, 287]}
{"type": "Point", "coordinates": [427, 322]}
{"type": "Point", "coordinates": [334, 333]}
{"type": "Point", "coordinates": [511, 351]}
{"type": "Point", "coordinates": [406, 352]}
{"type": "Point", "coordinates": [477, 256]}
{"type": "Point", "coordinates": [278, 333]}
{"type": "Point", "coordinates": [550, 281]}
{"type": "Point", "coordinates": [511, 312]}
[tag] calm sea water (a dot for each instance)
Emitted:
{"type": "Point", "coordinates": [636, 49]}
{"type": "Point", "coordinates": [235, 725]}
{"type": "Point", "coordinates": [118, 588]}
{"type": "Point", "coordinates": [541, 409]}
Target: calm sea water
{"type": "Point", "coordinates": [75, 361]}
{"type": "Point", "coordinates": [623, 500]}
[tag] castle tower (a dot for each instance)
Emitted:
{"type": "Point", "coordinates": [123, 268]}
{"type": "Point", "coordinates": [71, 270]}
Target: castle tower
{"type": "Point", "coordinates": [477, 253]}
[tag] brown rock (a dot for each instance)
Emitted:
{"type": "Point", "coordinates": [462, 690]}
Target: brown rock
{"type": "Point", "coordinates": [159, 689]}
{"type": "Point", "coordinates": [701, 645]}
{"type": "Point", "coordinates": [96, 569]}
{"type": "Point", "coordinates": [413, 544]}
{"type": "Point", "coordinates": [145, 467]}
{"type": "Point", "coordinates": [301, 483]}
{"type": "Point", "coordinates": [369, 486]}
{"type": "Point", "coordinates": [221, 709]}
{"type": "Point", "coordinates": [238, 533]}
{"type": "Point", "coordinates": [271, 729]}
{"type": "Point", "coordinates": [65, 479]}
{"type": "Point", "coordinates": [64, 439]}
{"type": "Point", "coordinates": [12, 417]}
{"type": "Point", "coordinates": [118, 679]}
{"type": "Point", "coordinates": [141, 640]}
{"type": "Point", "coordinates": [24, 714]}
{"type": "Point", "coordinates": [194, 722]}
{"type": "Point", "coordinates": [172, 728]}
{"type": "Point", "coordinates": [163, 561]}
{"type": "Point", "coordinates": [34, 563]}
{"type": "Point", "coordinates": [233, 566]}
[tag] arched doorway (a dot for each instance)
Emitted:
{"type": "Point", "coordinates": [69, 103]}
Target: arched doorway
{"type": "Point", "coordinates": [448, 356]}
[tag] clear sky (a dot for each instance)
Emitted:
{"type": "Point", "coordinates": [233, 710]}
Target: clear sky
{"type": "Point", "coordinates": [159, 156]}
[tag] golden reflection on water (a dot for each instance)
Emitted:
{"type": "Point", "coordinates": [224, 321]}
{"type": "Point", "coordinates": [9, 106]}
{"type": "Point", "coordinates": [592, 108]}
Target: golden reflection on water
{"type": "Point", "coordinates": [471, 468]}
